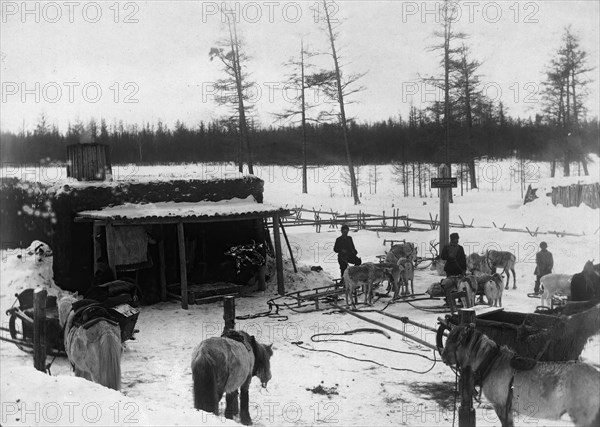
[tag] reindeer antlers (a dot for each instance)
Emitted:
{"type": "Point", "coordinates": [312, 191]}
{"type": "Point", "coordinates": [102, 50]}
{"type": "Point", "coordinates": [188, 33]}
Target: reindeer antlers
{"type": "Point", "coordinates": [433, 247]}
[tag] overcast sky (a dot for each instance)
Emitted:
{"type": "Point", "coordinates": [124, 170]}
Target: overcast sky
{"type": "Point", "coordinates": [145, 61]}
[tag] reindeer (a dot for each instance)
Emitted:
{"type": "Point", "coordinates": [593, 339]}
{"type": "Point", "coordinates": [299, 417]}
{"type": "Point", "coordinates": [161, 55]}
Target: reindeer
{"type": "Point", "coordinates": [402, 250]}
{"type": "Point", "coordinates": [489, 261]}
{"type": "Point", "coordinates": [437, 264]}
{"type": "Point", "coordinates": [407, 272]}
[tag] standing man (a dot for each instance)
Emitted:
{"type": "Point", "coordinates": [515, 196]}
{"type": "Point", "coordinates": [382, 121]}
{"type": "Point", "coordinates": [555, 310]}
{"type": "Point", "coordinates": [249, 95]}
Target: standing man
{"type": "Point", "coordinates": [456, 265]}
{"type": "Point", "coordinates": [543, 265]}
{"type": "Point", "coordinates": [454, 255]}
{"type": "Point", "coordinates": [344, 247]}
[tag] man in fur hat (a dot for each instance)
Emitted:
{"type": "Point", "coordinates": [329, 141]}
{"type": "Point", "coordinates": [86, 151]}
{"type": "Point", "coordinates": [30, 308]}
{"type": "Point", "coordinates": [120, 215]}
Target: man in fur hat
{"type": "Point", "coordinates": [454, 255]}
{"type": "Point", "coordinates": [543, 265]}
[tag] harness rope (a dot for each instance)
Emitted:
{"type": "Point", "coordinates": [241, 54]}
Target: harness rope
{"type": "Point", "coordinates": [300, 345]}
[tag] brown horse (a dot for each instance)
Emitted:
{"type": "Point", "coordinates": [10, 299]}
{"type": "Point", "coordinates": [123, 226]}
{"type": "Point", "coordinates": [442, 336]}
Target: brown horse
{"type": "Point", "coordinates": [551, 389]}
{"type": "Point", "coordinates": [224, 365]}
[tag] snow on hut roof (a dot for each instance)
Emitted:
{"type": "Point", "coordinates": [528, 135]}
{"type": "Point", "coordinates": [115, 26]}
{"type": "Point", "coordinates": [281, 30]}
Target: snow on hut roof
{"type": "Point", "coordinates": [185, 210]}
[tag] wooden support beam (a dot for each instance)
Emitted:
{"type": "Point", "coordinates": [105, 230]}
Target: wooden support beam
{"type": "Point", "coordinates": [96, 231]}
{"type": "Point", "coordinates": [110, 248]}
{"type": "Point", "coordinates": [39, 329]}
{"type": "Point", "coordinates": [466, 384]}
{"type": "Point", "coordinates": [229, 312]}
{"type": "Point", "coordinates": [182, 266]}
{"type": "Point", "coordinates": [278, 255]}
{"type": "Point", "coordinates": [288, 245]}
{"type": "Point", "coordinates": [162, 265]}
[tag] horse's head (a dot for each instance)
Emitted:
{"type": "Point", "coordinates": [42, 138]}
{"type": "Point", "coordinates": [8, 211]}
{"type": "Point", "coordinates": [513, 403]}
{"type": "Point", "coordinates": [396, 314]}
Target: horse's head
{"type": "Point", "coordinates": [262, 361]}
{"type": "Point", "coordinates": [589, 267]}
{"type": "Point", "coordinates": [466, 346]}
{"type": "Point", "coordinates": [64, 302]}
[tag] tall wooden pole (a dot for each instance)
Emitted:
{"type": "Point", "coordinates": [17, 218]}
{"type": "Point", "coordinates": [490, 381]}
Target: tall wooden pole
{"type": "Point", "coordinates": [444, 208]}
{"type": "Point", "coordinates": [39, 329]}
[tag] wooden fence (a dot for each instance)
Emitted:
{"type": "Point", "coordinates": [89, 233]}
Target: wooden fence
{"type": "Point", "coordinates": [394, 223]}
{"type": "Point", "coordinates": [576, 194]}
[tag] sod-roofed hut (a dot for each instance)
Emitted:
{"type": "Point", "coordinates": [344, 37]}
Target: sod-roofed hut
{"type": "Point", "coordinates": [175, 238]}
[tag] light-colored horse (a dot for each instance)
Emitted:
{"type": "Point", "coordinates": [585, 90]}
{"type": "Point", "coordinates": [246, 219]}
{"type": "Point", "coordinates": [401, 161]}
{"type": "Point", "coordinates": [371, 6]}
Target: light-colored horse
{"type": "Point", "coordinates": [547, 391]}
{"type": "Point", "coordinates": [94, 347]}
{"type": "Point", "coordinates": [226, 364]}
{"type": "Point", "coordinates": [554, 283]}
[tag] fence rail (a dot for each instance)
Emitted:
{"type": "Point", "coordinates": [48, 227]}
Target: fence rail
{"type": "Point", "coordinates": [392, 223]}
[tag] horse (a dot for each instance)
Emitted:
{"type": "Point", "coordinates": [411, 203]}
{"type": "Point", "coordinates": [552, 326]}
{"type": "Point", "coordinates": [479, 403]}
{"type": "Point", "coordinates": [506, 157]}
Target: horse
{"type": "Point", "coordinates": [585, 285]}
{"type": "Point", "coordinates": [92, 341]}
{"type": "Point", "coordinates": [224, 365]}
{"type": "Point", "coordinates": [551, 389]}
{"type": "Point", "coordinates": [554, 283]}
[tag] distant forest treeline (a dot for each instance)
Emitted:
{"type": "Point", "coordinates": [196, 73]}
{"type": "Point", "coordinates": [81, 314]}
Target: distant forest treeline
{"type": "Point", "coordinates": [420, 139]}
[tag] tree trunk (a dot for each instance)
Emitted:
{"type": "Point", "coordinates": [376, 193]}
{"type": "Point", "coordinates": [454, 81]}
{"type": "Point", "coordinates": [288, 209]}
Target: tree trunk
{"type": "Point", "coordinates": [584, 164]}
{"type": "Point", "coordinates": [412, 165]}
{"type": "Point", "coordinates": [472, 175]}
{"type": "Point", "coordinates": [552, 168]}
{"type": "Point", "coordinates": [304, 180]}
{"type": "Point", "coordinates": [420, 180]}
{"type": "Point", "coordinates": [243, 126]}
{"type": "Point", "coordinates": [342, 109]}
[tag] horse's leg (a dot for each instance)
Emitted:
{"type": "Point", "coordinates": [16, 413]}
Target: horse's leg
{"type": "Point", "coordinates": [506, 420]}
{"type": "Point", "coordinates": [514, 278]}
{"type": "Point", "coordinates": [231, 404]}
{"type": "Point", "coordinates": [244, 403]}
{"type": "Point", "coordinates": [81, 373]}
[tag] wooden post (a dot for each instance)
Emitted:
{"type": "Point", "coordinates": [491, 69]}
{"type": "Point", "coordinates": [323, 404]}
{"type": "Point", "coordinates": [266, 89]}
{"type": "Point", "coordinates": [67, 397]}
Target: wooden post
{"type": "Point", "coordinates": [262, 283]}
{"type": "Point", "coordinates": [288, 246]}
{"type": "Point", "coordinates": [39, 329]}
{"type": "Point", "coordinates": [182, 266]}
{"type": "Point", "coordinates": [444, 208]}
{"type": "Point", "coordinates": [466, 413]}
{"type": "Point", "coordinates": [110, 248]}
{"type": "Point", "coordinates": [278, 255]}
{"type": "Point", "coordinates": [162, 265]}
{"type": "Point", "coordinates": [229, 312]}
{"type": "Point", "coordinates": [97, 243]}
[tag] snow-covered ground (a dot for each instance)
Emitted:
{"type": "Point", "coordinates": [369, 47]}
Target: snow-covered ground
{"type": "Point", "coordinates": [308, 387]}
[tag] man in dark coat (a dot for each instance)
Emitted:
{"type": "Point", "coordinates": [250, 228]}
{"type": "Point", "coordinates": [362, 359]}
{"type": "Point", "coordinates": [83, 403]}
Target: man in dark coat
{"type": "Point", "coordinates": [344, 247]}
{"type": "Point", "coordinates": [456, 265]}
{"type": "Point", "coordinates": [544, 262]}
{"type": "Point", "coordinates": [454, 255]}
